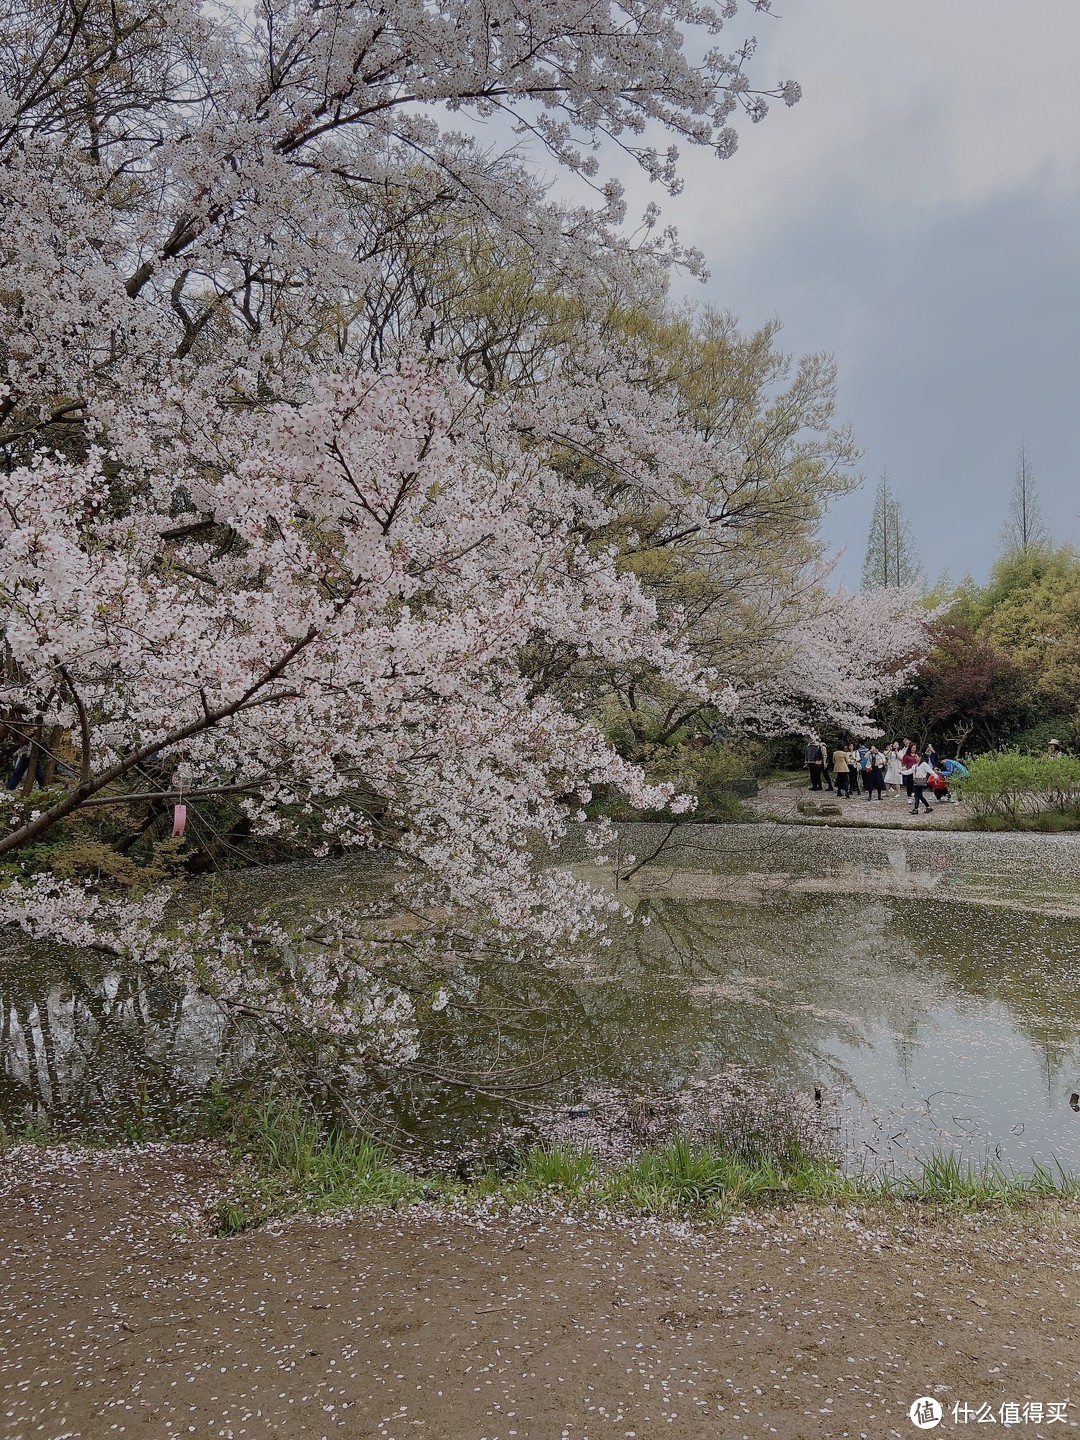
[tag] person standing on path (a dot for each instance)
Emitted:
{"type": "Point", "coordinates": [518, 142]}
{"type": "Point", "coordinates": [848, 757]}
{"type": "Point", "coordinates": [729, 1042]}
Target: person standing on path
{"type": "Point", "coordinates": [840, 770]}
{"type": "Point", "coordinates": [875, 774]}
{"type": "Point", "coordinates": [825, 768]}
{"type": "Point", "coordinates": [814, 763]}
{"type": "Point", "coordinates": [853, 768]}
{"type": "Point", "coordinates": [894, 776]}
{"type": "Point", "coordinates": [864, 766]}
{"type": "Point", "coordinates": [908, 760]}
{"type": "Point", "coordinates": [920, 775]}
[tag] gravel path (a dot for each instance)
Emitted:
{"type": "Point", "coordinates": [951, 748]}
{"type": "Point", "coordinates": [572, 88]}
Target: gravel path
{"type": "Point", "coordinates": [780, 799]}
{"type": "Point", "coordinates": [121, 1315]}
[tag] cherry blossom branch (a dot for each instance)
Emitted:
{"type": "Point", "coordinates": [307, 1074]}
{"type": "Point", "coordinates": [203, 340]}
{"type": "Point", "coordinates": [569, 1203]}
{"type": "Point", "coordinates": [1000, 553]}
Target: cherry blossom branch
{"type": "Point", "coordinates": [35, 828]}
{"type": "Point", "coordinates": [84, 725]}
{"type": "Point", "coordinates": [251, 787]}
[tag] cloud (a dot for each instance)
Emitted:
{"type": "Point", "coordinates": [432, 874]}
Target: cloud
{"type": "Point", "coordinates": [918, 215]}
{"type": "Point", "coordinates": [911, 107]}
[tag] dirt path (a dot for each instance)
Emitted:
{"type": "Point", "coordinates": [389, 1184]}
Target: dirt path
{"type": "Point", "coordinates": [121, 1315]}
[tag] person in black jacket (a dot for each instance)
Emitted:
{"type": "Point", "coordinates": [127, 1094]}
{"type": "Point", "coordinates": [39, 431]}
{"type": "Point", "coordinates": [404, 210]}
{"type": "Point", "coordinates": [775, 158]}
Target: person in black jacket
{"type": "Point", "coordinates": [875, 774]}
{"type": "Point", "coordinates": [817, 762]}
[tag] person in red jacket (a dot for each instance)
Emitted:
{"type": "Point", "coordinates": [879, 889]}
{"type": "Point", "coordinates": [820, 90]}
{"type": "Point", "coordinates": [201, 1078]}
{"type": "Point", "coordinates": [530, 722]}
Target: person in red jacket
{"type": "Point", "coordinates": [909, 758]}
{"type": "Point", "coordinates": [938, 785]}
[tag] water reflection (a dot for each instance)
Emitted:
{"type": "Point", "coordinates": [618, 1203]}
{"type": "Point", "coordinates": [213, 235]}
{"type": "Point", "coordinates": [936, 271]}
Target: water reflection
{"type": "Point", "coordinates": [94, 1051]}
{"type": "Point", "coordinates": [926, 1025]}
{"type": "Point", "coordinates": [925, 984]}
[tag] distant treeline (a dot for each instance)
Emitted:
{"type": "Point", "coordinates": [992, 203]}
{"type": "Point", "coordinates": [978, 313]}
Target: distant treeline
{"type": "Point", "coordinates": [1003, 671]}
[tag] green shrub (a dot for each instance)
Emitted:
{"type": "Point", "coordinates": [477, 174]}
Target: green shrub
{"type": "Point", "coordinates": [1011, 787]}
{"type": "Point", "coordinates": [559, 1167]}
{"type": "Point", "coordinates": [1034, 740]}
{"type": "Point", "coordinates": [714, 773]}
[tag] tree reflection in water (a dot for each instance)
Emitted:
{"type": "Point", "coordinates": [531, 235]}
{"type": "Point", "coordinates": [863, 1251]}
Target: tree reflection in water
{"type": "Point", "coordinates": [95, 1051]}
{"type": "Point", "coordinates": [861, 968]}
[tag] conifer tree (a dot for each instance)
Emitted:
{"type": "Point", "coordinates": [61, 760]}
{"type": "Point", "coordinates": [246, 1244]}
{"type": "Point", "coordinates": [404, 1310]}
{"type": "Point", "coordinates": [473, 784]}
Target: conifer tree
{"type": "Point", "coordinates": [1024, 528]}
{"type": "Point", "coordinates": [891, 557]}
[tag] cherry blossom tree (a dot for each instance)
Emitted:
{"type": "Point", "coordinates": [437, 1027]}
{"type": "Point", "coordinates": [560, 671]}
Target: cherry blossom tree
{"type": "Point", "coordinates": [175, 174]}
{"type": "Point", "coordinates": [335, 617]}
{"type": "Point", "coordinates": [843, 653]}
{"type": "Point", "coordinates": [241, 555]}
{"type": "Point", "coordinates": [714, 452]}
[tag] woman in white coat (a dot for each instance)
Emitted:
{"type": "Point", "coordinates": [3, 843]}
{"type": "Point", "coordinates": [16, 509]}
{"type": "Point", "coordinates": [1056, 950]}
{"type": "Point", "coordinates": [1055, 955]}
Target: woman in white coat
{"type": "Point", "coordinates": [923, 771]}
{"type": "Point", "coordinates": [894, 776]}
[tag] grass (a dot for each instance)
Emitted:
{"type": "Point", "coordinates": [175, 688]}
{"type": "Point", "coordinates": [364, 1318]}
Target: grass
{"type": "Point", "coordinates": [683, 1179]}
{"type": "Point", "coordinates": [1046, 822]}
{"type": "Point", "coordinates": [945, 1180]}
{"type": "Point", "coordinates": [33, 1132]}
{"type": "Point", "coordinates": [290, 1164]}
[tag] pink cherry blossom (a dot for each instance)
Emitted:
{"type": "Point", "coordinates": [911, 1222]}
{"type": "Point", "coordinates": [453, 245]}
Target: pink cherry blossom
{"type": "Point", "coordinates": [250, 547]}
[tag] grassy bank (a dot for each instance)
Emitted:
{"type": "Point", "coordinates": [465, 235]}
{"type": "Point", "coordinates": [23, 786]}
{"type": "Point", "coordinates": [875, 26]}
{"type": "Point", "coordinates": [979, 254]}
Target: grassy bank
{"type": "Point", "coordinates": [287, 1161]}
{"type": "Point", "coordinates": [288, 1165]}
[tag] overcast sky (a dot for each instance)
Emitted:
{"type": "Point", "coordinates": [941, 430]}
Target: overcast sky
{"type": "Point", "coordinates": [917, 214]}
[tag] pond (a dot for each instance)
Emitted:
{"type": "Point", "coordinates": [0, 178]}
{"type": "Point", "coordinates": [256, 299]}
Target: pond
{"type": "Point", "coordinates": [923, 987]}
